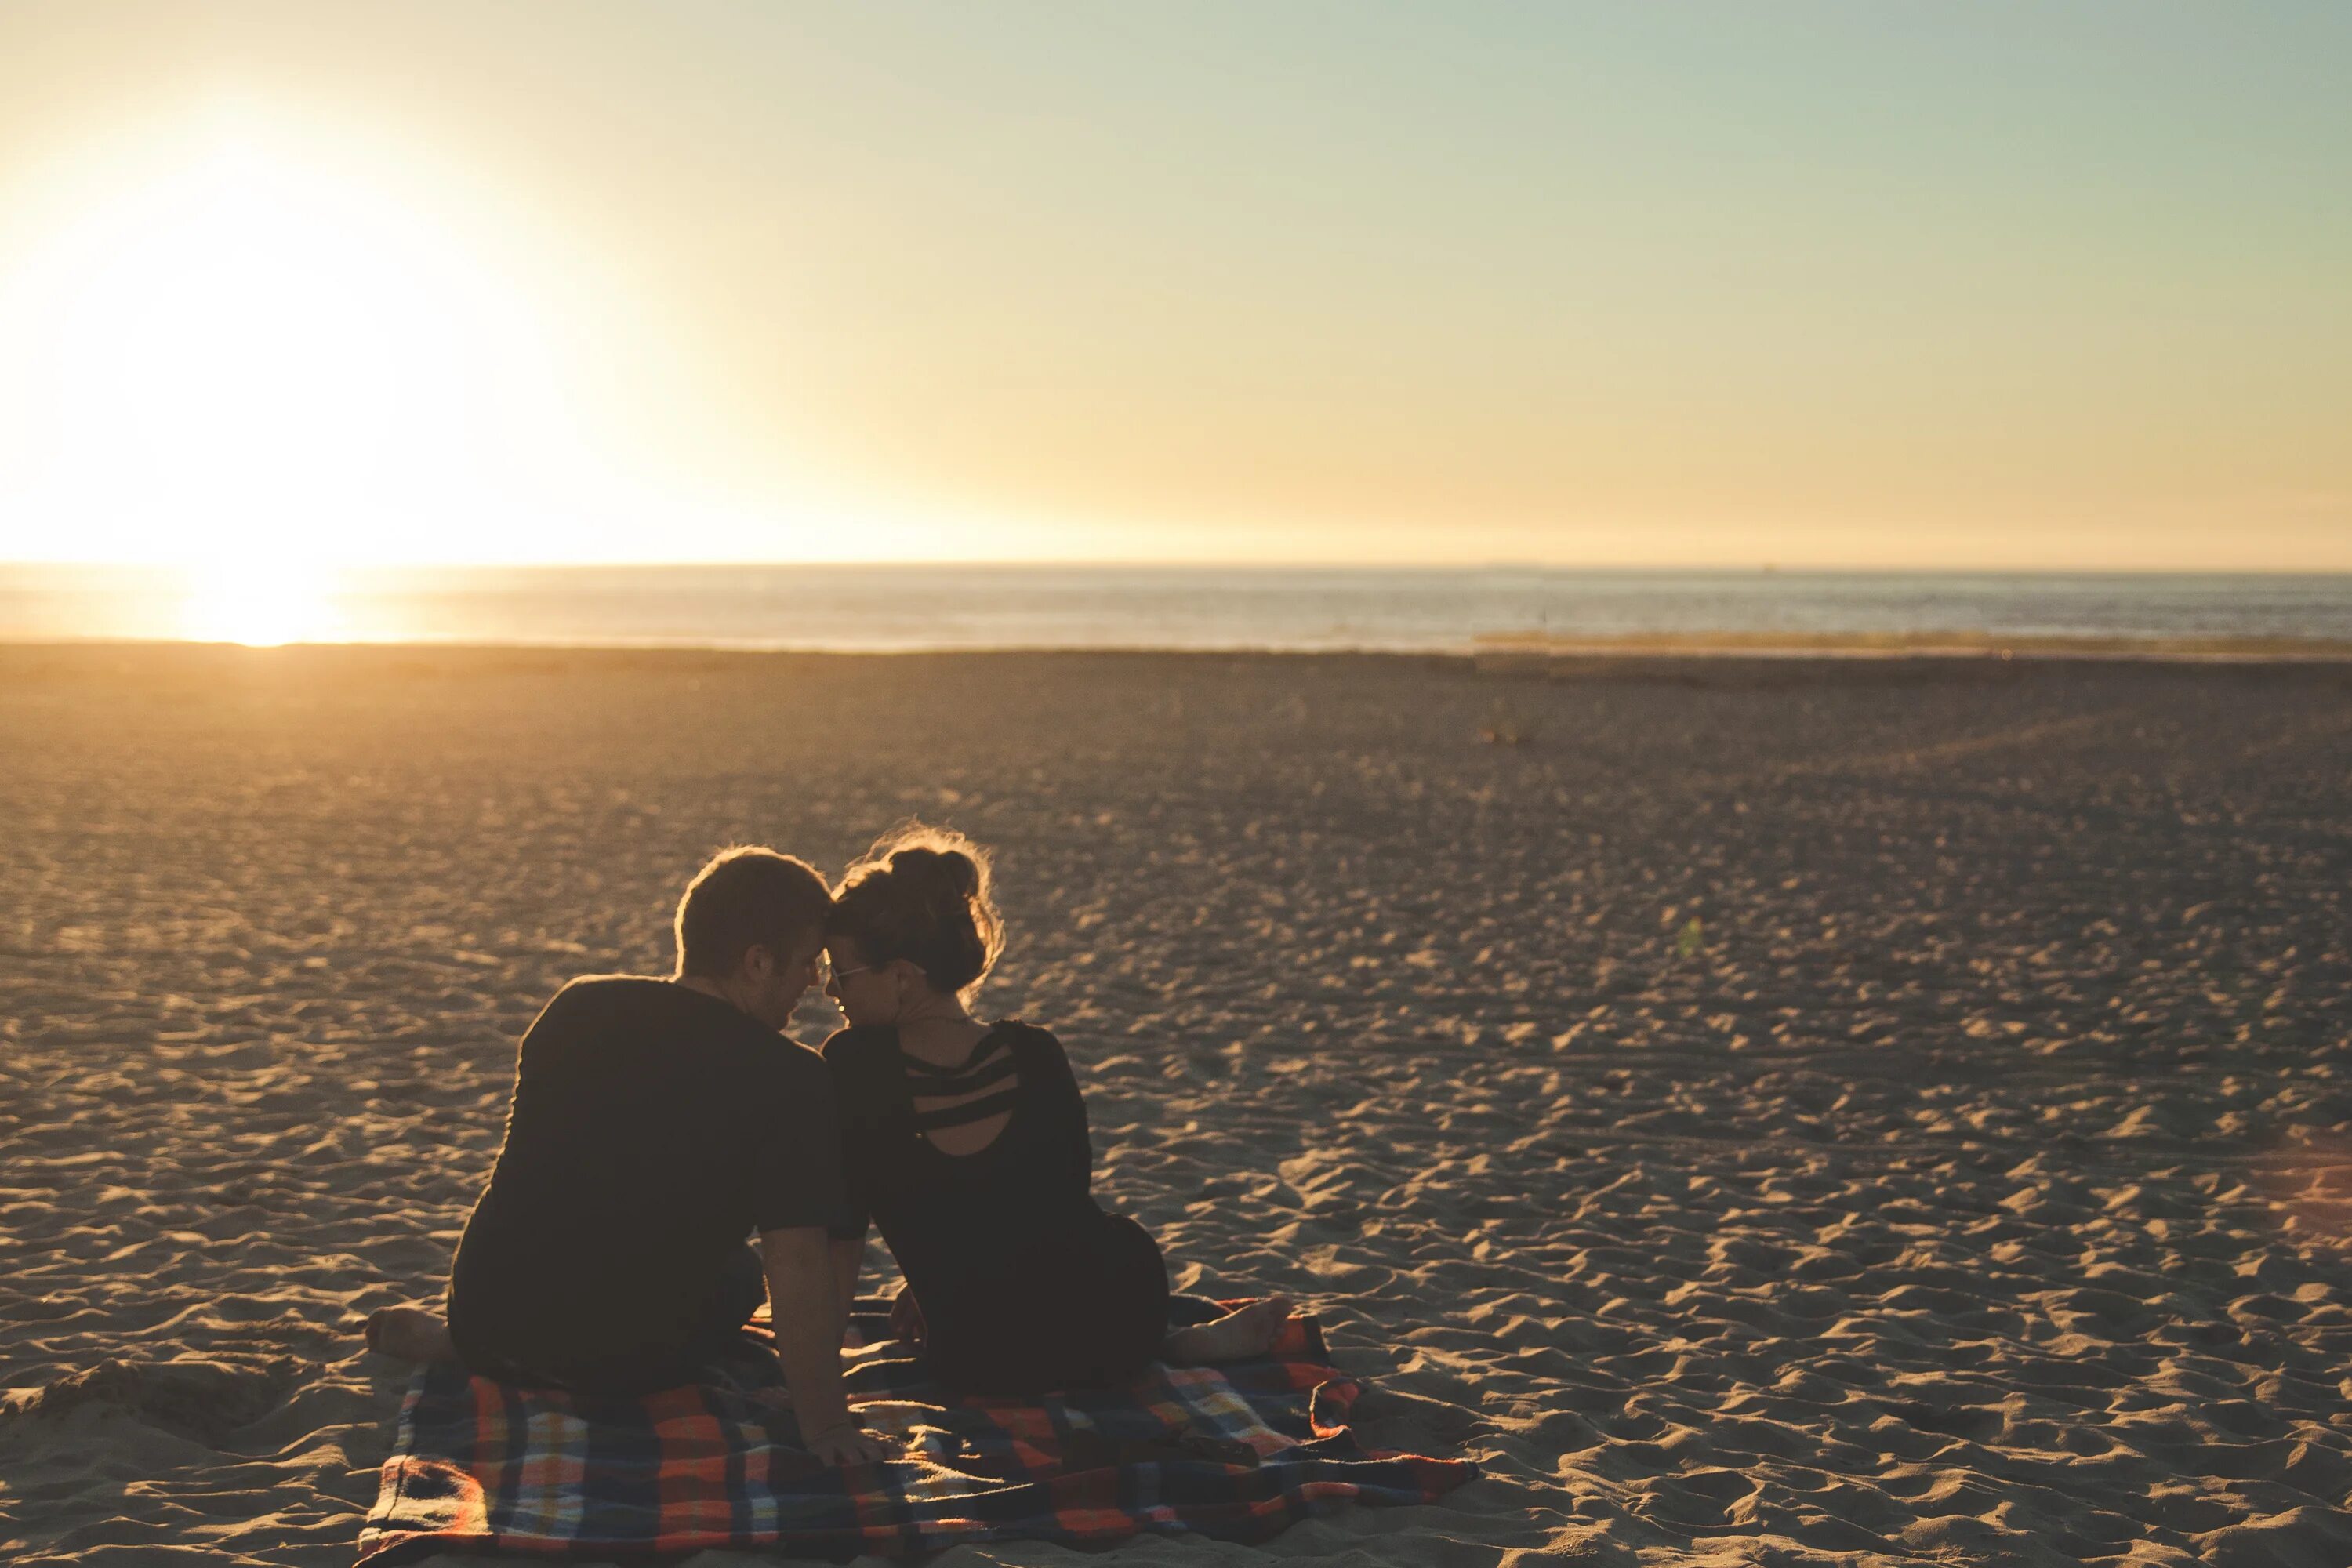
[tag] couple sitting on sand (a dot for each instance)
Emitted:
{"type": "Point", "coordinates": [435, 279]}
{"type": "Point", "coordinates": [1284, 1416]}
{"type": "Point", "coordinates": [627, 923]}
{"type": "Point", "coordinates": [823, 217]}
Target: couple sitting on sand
{"type": "Point", "coordinates": [655, 1124]}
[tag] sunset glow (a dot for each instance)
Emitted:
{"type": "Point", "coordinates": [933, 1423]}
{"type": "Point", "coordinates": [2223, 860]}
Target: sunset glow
{"type": "Point", "coordinates": [271, 353]}
{"type": "Point", "coordinates": [249, 352]}
{"type": "Point", "coordinates": [258, 603]}
{"type": "Point", "coordinates": [2017, 289]}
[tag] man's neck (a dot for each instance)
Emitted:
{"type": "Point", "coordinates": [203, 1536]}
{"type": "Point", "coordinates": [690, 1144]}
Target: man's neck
{"type": "Point", "coordinates": [709, 987]}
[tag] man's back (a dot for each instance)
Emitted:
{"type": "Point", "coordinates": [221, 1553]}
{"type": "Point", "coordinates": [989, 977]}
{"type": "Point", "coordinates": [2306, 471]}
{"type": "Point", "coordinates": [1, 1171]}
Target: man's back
{"type": "Point", "coordinates": [653, 1127]}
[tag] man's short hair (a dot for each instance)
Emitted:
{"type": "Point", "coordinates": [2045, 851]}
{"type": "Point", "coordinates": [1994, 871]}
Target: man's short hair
{"type": "Point", "coordinates": [747, 897]}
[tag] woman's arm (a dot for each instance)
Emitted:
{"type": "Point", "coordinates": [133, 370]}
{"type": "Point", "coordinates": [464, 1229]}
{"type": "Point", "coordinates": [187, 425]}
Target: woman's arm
{"type": "Point", "coordinates": [1064, 1111]}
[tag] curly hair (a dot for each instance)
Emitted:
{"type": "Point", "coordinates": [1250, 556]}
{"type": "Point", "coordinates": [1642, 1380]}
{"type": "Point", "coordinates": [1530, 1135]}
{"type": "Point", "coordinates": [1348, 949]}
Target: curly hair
{"type": "Point", "coordinates": [922, 894]}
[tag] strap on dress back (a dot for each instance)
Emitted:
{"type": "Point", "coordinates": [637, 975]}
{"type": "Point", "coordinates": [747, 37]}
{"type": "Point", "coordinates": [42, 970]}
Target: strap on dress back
{"type": "Point", "coordinates": [931, 1081]}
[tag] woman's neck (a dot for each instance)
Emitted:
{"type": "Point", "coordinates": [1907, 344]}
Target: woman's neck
{"type": "Point", "coordinates": [933, 1007]}
{"type": "Point", "coordinates": [939, 1026]}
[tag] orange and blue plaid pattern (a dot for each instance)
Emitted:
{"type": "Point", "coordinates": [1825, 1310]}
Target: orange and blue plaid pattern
{"type": "Point", "coordinates": [484, 1467]}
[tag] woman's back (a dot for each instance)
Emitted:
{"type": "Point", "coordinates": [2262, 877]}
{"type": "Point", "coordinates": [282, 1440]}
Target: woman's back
{"type": "Point", "coordinates": [976, 1151]}
{"type": "Point", "coordinates": [967, 1142]}
{"type": "Point", "coordinates": [963, 1080]}
{"type": "Point", "coordinates": [976, 1168]}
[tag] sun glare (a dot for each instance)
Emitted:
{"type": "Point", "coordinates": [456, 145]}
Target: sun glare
{"type": "Point", "coordinates": [259, 603]}
{"type": "Point", "coordinates": [254, 355]}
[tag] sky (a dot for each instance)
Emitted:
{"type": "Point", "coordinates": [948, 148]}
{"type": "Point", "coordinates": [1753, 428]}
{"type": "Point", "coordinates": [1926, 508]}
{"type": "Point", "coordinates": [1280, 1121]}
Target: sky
{"type": "Point", "coordinates": [1867, 284]}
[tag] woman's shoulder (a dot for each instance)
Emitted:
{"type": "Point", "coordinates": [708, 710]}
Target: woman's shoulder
{"type": "Point", "coordinates": [858, 1061]}
{"type": "Point", "coordinates": [859, 1044]}
{"type": "Point", "coordinates": [862, 1051]}
{"type": "Point", "coordinates": [1033, 1041]}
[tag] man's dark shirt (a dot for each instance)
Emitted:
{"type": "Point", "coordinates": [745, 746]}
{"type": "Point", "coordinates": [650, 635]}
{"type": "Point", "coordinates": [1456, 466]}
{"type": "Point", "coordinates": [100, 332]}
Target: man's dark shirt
{"type": "Point", "coordinates": [653, 1128]}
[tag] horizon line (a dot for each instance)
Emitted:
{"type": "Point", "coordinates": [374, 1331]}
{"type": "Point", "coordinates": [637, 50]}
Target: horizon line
{"type": "Point", "coordinates": [1025, 564]}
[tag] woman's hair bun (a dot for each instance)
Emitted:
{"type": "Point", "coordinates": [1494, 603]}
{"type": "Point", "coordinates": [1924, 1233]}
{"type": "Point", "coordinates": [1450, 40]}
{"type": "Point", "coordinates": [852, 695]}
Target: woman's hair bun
{"type": "Point", "coordinates": [953, 870]}
{"type": "Point", "coordinates": [922, 894]}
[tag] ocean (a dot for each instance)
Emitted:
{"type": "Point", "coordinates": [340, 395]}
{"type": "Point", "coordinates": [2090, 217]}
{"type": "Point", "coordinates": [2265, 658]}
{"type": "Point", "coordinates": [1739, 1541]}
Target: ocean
{"type": "Point", "coordinates": [901, 608]}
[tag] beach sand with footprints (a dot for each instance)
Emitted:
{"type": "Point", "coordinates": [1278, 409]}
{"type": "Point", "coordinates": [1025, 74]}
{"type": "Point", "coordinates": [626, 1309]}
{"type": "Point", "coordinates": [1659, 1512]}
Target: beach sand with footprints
{"type": "Point", "coordinates": [1784, 1113]}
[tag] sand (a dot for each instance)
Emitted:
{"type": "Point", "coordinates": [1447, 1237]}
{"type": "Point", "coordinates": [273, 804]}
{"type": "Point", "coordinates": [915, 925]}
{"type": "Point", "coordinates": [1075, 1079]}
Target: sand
{"type": "Point", "coordinates": [1796, 1115]}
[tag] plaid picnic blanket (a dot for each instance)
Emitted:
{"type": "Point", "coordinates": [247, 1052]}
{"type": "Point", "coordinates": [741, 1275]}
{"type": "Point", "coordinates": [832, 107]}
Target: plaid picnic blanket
{"type": "Point", "coordinates": [1238, 1452]}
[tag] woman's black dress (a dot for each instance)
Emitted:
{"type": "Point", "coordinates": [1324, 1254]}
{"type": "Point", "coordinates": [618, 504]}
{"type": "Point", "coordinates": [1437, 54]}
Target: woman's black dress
{"type": "Point", "coordinates": [1025, 1284]}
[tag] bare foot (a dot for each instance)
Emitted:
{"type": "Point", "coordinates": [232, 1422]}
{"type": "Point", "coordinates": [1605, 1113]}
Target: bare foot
{"type": "Point", "coordinates": [412, 1333]}
{"type": "Point", "coordinates": [1240, 1334]}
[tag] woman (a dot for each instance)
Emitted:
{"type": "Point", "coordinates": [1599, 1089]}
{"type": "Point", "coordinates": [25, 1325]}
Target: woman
{"type": "Point", "coordinates": [966, 1143]}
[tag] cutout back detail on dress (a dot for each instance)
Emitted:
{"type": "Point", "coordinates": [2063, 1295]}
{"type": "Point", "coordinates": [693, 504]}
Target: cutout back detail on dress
{"type": "Point", "coordinates": [962, 1109]}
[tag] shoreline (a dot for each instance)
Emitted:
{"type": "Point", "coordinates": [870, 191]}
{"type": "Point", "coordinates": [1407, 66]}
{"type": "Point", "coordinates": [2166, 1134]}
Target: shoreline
{"type": "Point", "coordinates": [1498, 653]}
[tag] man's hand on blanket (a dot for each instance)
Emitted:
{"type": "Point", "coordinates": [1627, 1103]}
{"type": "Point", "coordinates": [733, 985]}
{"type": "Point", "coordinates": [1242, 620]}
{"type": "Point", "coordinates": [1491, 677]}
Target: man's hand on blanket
{"type": "Point", "coordinates": [801, 1296]}
{"type": "Point", "coordinates": [849, 1443]}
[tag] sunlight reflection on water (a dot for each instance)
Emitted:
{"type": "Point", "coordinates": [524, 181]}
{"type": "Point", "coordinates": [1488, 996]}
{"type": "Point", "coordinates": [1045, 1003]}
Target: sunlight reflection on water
{"type": "Point", "coordinates": [261, 603]}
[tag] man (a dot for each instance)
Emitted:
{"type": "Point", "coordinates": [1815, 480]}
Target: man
{"type": "Point", "coordinates": [655, 1124]}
